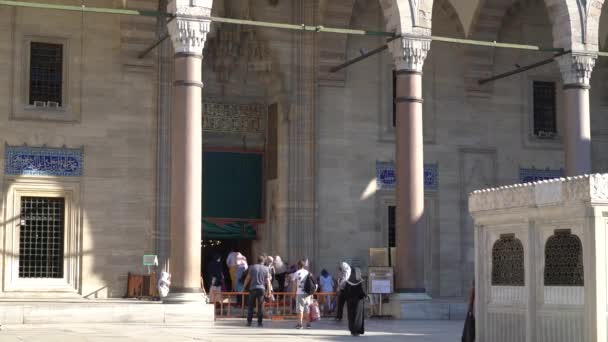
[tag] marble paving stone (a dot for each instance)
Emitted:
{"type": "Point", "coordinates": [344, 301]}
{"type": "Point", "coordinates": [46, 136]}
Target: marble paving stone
{"type": "Point", "coordinates": [234, 330]}
{"type": "Point", "coordinates": [423, 311]}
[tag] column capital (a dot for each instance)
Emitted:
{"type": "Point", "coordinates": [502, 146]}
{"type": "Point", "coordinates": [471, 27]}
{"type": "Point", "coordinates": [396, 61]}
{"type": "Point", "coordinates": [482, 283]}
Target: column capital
{"type": "Point", "coordinates": [576, 68]}
{"type": "Point", "coordinates": [189, 28]}
{"type": "Point", "coordinates": [409, 53]}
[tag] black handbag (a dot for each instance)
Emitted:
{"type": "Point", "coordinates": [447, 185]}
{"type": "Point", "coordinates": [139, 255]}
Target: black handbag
{"type": "Point", "coordinates": [468, 333]}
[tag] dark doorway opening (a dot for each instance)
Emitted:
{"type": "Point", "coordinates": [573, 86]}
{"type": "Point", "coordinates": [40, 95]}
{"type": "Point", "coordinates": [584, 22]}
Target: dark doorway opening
{"type": "Point", "coordinates": [210, 248]}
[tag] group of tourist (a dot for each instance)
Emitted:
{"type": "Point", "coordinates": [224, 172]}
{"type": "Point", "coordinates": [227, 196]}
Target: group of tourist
{"type": "Point", "coordinates": [270, 274]}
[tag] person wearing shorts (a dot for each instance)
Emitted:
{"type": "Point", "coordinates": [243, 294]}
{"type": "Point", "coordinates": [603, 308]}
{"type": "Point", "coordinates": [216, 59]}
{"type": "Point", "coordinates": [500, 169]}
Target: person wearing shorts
{"type": "Point", "coordinates": [302, 298]}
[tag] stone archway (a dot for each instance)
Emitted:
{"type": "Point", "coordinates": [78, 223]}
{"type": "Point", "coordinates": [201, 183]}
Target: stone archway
{"type": "Point", "coordinates": [575, 25]}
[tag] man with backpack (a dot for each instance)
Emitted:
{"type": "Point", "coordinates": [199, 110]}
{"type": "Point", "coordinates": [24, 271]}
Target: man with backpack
{"type": "Point", "coordinates": [304, 285]}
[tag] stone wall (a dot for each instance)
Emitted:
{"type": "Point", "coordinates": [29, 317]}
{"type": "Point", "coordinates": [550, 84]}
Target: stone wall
{"type": "Point", "coordinates": [477, 139]}
{"type": "Point", "coordinates": [111, 114]}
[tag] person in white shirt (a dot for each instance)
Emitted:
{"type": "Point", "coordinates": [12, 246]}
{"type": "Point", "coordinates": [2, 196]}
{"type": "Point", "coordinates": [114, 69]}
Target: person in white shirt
{"type": "Point", "coordinates": [231, 263]}
{"type": "Point", "coordinates": [343, 275]}
{"type": "Point", "coordinates": [241, 267]}
{"type": "Point", "coordinates": [302, 298]}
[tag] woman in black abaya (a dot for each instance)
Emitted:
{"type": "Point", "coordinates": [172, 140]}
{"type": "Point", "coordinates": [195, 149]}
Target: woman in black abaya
{"type": "Point", "coordinates": [355, 302]}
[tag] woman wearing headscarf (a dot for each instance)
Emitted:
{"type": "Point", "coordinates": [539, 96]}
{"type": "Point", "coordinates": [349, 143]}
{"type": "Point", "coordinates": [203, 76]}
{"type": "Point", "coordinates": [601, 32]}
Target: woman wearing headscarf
{"type": "Point", "coordinates": [468, 333]}
{"type": "Point", "coordinates": [216, 278]}
{"type": "Point", "coordinates": [355, 302]}
{"type": "Point", "coordinates": [326, 282]}
{"type": "Point", "coordinates": [269, 263]}
{"type": "Point", "coordinates": [343, 275]}
{"type": "Point", "coordinates": [280, 270]}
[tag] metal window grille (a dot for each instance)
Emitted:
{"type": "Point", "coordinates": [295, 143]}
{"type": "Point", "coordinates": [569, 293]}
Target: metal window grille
{"type": "Point", "coordinates": [41, 237]}
{"type": "Point", "coordinates": [46, 73]}
{"type": "Point", "coordinates": [508, 261]}
{"type": "Point", "coordinates": [544, 108]}
{"type": "Point", "coordinates": [564, 260]}
{"type": "Point", "coordinates": [391, 226]}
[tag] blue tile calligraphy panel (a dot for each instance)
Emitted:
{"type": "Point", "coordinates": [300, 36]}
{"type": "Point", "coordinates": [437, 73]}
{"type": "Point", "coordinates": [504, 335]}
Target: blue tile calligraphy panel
{"type": "Point", "coordinates": [43, 161]}
{"type": "Point", "coordinates": [386, 178]}
{"type": "Point", "coordinates": [534, 175]}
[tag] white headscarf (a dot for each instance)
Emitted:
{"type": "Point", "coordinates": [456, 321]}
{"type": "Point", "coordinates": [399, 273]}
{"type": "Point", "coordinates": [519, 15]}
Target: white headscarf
{"type": "Point", "coordinates": [241, 260]}
{"type": "Point", "coordinates": [355, 277]}
{"type": "Point", "coordinates": [163, 284]}
{"type": "Point", "coordinates": [344, 274]}
{"type": "Point", "coordinates": [279, 265]}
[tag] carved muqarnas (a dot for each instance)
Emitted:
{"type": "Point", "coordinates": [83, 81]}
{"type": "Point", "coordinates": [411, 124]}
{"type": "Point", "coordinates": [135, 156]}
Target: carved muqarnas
{"type": "Point", "coordinates": [508, 261]}
{"type": "Point", "coordinates": [564, 260]}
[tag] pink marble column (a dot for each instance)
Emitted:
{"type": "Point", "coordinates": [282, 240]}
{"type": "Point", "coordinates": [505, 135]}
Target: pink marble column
{"type": "Point", "coordinates": [409, 57]}
{"type": "Point", "coordinates": [188, 38]}
{"type": "Point", "coordinates": [576, 72]}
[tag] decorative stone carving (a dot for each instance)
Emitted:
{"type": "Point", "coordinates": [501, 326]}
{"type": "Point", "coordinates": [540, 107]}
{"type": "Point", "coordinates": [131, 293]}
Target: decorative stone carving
{"type": "Point", "coordinates": [576, 68]}
{"type": "Point", "coordinates": [508, 261]}
{"type": "Point", "coordinates": [231, 118]}
{"type": "Point", "coordinates": [189, 29]}
{"type": "Point", "coordinates": [233, 46]}
{"type": "Point", "coordinates": [410, 53]}
{"type": "Point", "coordinates": [43, 161]}
{"type": "Point", "coordinates": [582, 188]}
{"type": "Point", "coordinates": [564, 260]}
{"type": "Point", "coordinates": [598, 187]}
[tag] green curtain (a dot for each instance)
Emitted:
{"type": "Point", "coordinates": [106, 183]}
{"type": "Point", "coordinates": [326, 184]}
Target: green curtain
{"type": "Point", "coordinates": [235, 230]}
{"type": "Point", "coordinates": [233, 185]}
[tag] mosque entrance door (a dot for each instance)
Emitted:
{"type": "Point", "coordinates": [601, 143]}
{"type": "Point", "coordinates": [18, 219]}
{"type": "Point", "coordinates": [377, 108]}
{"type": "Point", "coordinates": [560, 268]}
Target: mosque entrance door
{"type": "Point", "coordinates": [213, 248]}
{"type": "Point", "coordinates": [233, 203]}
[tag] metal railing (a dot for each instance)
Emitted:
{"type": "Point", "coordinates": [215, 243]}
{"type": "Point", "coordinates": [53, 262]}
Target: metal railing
{"type": "Point", "coordinates": [236, 304]}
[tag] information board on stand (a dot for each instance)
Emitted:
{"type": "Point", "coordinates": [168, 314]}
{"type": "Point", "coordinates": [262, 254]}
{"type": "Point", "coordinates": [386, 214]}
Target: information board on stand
{"type": "Point", "coordinates": [381, 281]}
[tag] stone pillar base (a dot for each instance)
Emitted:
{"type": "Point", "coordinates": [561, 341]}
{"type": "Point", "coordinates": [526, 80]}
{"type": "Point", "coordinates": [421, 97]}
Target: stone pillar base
{"type": "Point", "coordinates": [185, 298]}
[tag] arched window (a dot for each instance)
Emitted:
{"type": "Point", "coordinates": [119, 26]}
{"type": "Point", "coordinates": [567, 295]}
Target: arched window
{"type": "Point", "coordinates": [508, 261]}
{"type": "Point", "coordinates": [564, 259]}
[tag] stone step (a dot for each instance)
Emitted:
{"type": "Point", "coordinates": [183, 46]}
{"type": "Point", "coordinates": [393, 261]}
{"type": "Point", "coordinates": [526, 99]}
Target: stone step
{"type": "Point", "coordinates": [96, 311]}
{"type": "Point", "coordinates": [433, 310]}
{"type": "Point", "coordinates": [408, 308]}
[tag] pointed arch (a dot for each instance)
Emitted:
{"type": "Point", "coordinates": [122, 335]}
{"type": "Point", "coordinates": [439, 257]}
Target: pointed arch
{"type": "Point", "coordinates": [332, 47]}
{"type": "Point", "coordinates": [450, 12]}
{"type": "Point", "coordinates": [575, 26]}
{"type": "Point", "coordinates": [338, 13]}
{"type": "Point", "coordinates": [408, 16]}
{"type": "Point", "coordinates": [575, 23]}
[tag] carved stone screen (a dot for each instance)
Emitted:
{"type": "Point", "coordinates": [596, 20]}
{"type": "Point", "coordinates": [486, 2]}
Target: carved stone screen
{"type": "Point", "coordinates": [564, 260]}
{"type": "Point", "coordinates": [508, 261]}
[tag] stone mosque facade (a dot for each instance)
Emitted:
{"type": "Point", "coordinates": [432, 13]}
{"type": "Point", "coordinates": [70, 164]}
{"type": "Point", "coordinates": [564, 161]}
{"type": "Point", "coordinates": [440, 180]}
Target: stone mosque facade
{"type": "Point", "coordinates": [102, 160]}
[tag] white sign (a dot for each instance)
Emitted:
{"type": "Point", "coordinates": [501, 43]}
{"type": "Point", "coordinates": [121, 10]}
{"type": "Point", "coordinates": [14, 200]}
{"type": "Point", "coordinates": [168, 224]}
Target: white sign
{"type": "Point", "coordinates": [381, 286]}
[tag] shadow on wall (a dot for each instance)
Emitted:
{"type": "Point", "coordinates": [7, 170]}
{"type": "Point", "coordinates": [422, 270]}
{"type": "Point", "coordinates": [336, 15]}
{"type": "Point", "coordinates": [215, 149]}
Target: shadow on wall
{"type": "Point", "coordinates": [93, 272]}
